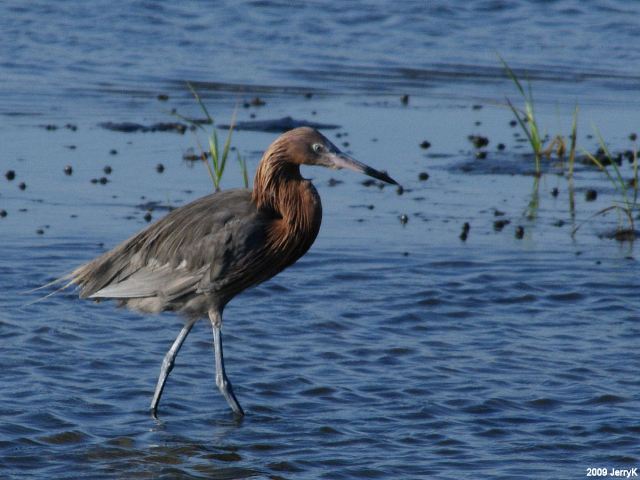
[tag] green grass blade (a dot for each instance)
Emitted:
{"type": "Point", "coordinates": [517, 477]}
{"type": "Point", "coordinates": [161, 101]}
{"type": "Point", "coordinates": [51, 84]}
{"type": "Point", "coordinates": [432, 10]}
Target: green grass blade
{"type": "Point", "coordinates": [621, 185]}
{"type": "Point", "coordinates": [211, 174]}
{"type": "Point", "coordinates": [523, 126]}
{"type": "Point", "coordinates": [218, 158]}
{"type": "Point", "coordinates": [213, 148]}
{"type": "Point", "coordinates": [598, 213]}
{"type": "Point", "coordinates": [599, 164]}
{"type": "Point", "coordinates": [574, 136]}
{"type": "Point", "coordinates": [512, 76]}
{"type": "Point", "coordinates": [225, 151]}
{"type": "Point", "coordinates": [227, 143]}
{"type": "Point", "coordinates": [621, 188]}
{"type": "Point", "coordinates": [243, 168]}
{"type": "Point", "coordinates": [217, 149]}
{"type": "Point", "coordinates": [199, 100]}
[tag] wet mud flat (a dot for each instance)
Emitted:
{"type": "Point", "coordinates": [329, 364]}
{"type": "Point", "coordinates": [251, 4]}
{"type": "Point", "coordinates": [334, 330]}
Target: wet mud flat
{"type": "Point", "coordinates": [454, 326]}
{"type": "Point", "coordinates": [498, 155]}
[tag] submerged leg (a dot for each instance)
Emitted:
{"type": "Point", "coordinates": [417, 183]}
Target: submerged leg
{"type": "Point", "coordinates": [167, 365]}
{"type": "Point", "coordinates": [222, 381]}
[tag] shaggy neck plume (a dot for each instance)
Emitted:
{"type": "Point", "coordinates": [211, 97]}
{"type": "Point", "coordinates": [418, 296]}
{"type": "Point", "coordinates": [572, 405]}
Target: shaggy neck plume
{"type": "Point", "coordinates": [279, 188]}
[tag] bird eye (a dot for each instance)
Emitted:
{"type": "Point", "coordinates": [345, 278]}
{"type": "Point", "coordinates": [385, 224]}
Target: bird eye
{"type": "Point", "coordinates": [318, 147]}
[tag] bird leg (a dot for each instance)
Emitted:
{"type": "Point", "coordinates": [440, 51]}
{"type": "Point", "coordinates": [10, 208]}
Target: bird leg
{"type": "Point", "coordinates": [223, 383]}
{"type": "Point", "coordinates": [167, 365]}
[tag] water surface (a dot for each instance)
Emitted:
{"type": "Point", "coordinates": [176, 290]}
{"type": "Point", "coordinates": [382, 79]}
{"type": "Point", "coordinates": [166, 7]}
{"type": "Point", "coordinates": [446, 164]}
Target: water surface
{"type": "Point", "coordinates": [389, 350]}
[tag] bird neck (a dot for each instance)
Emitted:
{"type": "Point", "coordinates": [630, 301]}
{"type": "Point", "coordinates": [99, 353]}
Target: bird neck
{"type": "Point", "coordinates": [280, 189]}
{"type": "Point", "coordinates": [273, 177]}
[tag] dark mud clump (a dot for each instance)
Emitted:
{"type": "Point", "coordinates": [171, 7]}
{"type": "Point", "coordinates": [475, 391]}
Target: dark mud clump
{"type": "Point", "coordinates": [591, 195]}
{"type": "Point", "coordinates": [154, 205]}
{"type": "Point", "coordinates": [478, 141]}
{"type": "Point", "coordinates": [280, 125]}
{"type": "Point", "coordinates": [622, 235]}
{"type": "Point", "coordinates": [498, 225]}
{"type": "Point", "coordinates": [191, 156]}
{"type": "Point", "coordinates": [257, 102]}
{"type": "Point", "coordinates": [465, 231]}
{"type": "Point", "coordinates": [131, 127]}
{"type": "Point", "coordinates": [51, 127]}
{"type": "Point", "coordinates": [10, 175]}
{"type": "Point", "coordinates": [373, 183]}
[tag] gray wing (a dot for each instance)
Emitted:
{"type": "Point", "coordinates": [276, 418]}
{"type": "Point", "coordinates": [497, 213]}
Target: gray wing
{"type": "Point", "coordinates": [202, 246]}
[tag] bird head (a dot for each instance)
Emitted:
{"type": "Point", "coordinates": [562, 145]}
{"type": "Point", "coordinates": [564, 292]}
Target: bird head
{"type": "Point", "coordinates": [307, 146]}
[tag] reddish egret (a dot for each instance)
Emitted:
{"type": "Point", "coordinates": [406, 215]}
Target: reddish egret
{"type": "Point", "coordinates": [201, 255]}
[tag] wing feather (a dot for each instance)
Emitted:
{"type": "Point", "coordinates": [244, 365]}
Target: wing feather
{"type": "Point", "coordinates": [199, 247]}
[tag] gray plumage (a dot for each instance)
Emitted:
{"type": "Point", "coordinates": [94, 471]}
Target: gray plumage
{"type": "Point", "coordinates": [200, 253]}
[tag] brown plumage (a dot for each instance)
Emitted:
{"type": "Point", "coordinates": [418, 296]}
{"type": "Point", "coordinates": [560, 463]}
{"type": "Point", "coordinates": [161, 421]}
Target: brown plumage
{"type": "Point", "coordinates": [199, 256]}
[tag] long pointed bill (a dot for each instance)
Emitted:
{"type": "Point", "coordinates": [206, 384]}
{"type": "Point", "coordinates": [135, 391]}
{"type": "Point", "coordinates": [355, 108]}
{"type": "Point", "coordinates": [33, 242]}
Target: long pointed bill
{"type": "Point", "coordinates": [342, 160]}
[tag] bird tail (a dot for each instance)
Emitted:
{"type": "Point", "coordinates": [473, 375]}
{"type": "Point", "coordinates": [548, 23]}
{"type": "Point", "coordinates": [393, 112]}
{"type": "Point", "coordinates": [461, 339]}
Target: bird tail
{"type": "Point", "coordinates": [68, 279]}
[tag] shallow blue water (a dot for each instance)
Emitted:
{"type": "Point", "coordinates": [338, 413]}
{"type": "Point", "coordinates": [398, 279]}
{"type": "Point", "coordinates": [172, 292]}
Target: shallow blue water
{"type": "Point", "coordinates": [117, 52]}
{"type": "Point", "coordinates": [389, 351]}
{"type": "Point", "coordinates": [474, 366]}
